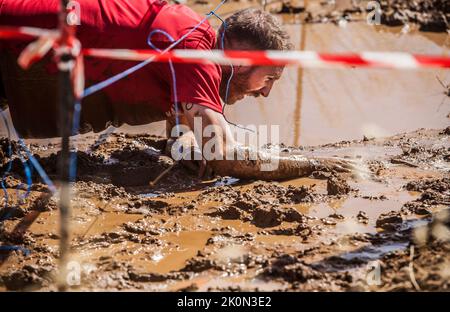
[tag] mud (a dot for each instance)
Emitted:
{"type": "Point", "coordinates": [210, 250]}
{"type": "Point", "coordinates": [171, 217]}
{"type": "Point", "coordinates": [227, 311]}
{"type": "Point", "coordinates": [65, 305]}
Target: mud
{"type": "Point", "coordinates": [438, 185]}
{"type": "Point", "coordinates": [388, 221]}
{"type": "Point", "coordinates": [318, 233]}
{"type": "Point", "coordinates": [337, 186]}
{"type": "Point", "coordinates": [429, 15]}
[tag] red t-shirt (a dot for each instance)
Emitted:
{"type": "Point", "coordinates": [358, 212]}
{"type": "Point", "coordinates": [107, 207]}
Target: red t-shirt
{"type": "Point", "coordinates": [126, 24]}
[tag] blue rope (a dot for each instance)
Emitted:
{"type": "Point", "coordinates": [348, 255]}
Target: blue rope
{"type": "Point", "coordinates": [21, 198]}
{"type": "Point", "coordinates": [28, 177]}
{"type": "Point", "coordinates": [27, 170]}
{"type": "Point", "coordinates": [38, 168]}
{"type": "Point", "coordinates": [31, 159]}
{"type": "Point", "coordinates": [222, 43]}
{"type": "Point", "coordinates": [8, 169]}
{"type": "Point", "coordinates": [25, 251]}
{"type": "Point", "coordinates": [73, 154]}
{"type": "Point", "coordinates": [28, 174]}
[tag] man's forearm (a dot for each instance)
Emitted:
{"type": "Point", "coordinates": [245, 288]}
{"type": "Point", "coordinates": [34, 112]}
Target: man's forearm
{"type": "Point", "coordinates": [236, 160]}
{"type": "Point", "coordinates": [248, 163]}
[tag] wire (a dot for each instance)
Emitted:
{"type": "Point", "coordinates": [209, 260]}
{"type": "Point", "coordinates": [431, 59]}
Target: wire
{"type": "Point", "coordinates": [27, 172]}
{"type": "Point", "coordinates": [227, 90]}
{"type": "Point", "coordinates": [75, 128]}
{"type": "Point", "coordinates": [25, 251]}
{"type": "Point", "coordinates": [222, 43]}
{"type": "Point", "coordinates": [21, 199]}
{"type": "Point", "coordinates": [31, 159]}
{"type": "Point", "coordinates": [30, 156]}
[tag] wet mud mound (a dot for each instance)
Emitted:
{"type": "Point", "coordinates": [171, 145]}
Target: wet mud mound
{"type": "Point", "coordinates": [411, 261]}
{"type": "Point", "coordinates": [123, 160]}
{"type": "Point", "coordinates": [429, 15]}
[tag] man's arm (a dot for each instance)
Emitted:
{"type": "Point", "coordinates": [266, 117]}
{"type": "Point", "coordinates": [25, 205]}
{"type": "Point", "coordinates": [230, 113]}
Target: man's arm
{"type": "Point", "coordinates": [247, 162]}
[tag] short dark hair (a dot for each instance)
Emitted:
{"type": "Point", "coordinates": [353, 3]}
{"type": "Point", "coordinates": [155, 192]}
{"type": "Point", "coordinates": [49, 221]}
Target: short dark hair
{"type": "Point", "coordinates": [259, 29]}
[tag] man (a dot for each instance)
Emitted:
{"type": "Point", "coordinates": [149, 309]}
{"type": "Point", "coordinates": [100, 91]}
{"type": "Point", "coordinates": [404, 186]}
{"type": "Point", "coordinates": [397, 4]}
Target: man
{"type": "Point", "coordinates": [149, 94]}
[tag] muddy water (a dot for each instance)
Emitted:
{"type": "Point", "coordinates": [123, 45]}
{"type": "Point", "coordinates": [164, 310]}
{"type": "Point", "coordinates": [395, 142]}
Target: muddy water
{"type": "Point", "coordinates": [331, 105]}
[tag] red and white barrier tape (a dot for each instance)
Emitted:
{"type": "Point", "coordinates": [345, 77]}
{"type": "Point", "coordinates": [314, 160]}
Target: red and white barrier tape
{"type": "Point", "coordinates": [46, 40]}
{"type": "Point", "coordinates": [305, 59]}
{"type": "Point", "coordinates": [23, 33]}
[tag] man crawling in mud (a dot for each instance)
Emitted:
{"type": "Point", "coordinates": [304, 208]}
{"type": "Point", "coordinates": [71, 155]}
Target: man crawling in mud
{"type": "Point", "coordinates": [149, 94]}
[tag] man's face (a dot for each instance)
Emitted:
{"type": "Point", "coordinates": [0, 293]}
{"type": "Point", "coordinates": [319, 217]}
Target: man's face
{"type": "Point", "coordinates": [248, 81]}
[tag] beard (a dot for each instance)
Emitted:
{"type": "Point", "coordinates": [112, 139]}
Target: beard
{"type": "Point", "coordinates": [239, 86]}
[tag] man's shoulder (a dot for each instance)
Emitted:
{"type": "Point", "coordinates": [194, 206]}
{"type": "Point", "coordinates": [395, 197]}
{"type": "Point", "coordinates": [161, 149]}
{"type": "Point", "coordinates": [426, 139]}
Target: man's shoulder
{"type": "Point", "coordinates": [177, 20]}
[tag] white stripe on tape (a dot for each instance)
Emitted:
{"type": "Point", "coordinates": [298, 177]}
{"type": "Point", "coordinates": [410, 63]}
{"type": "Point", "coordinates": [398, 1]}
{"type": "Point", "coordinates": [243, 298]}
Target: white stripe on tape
{"type": "Point", "coordinates": [391, 59]}
{"type": "Point", "coordinates": [303, 58]}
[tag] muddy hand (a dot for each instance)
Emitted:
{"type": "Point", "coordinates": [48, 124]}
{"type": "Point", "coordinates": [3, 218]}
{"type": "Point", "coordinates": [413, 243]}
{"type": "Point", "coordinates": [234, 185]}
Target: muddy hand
{"type": "Point", "coordinates": [195, 161]}
{"type": "Point", "coordinates": [357, 168]}
{"type": "Point", "coordinates": [196, 164]}
{"type": "Point", "coordinates": [204, 171]}
{"type": "Point", "coordinates": [334, 164]}
{"type": "Point", "coordinates": [199, 166]}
